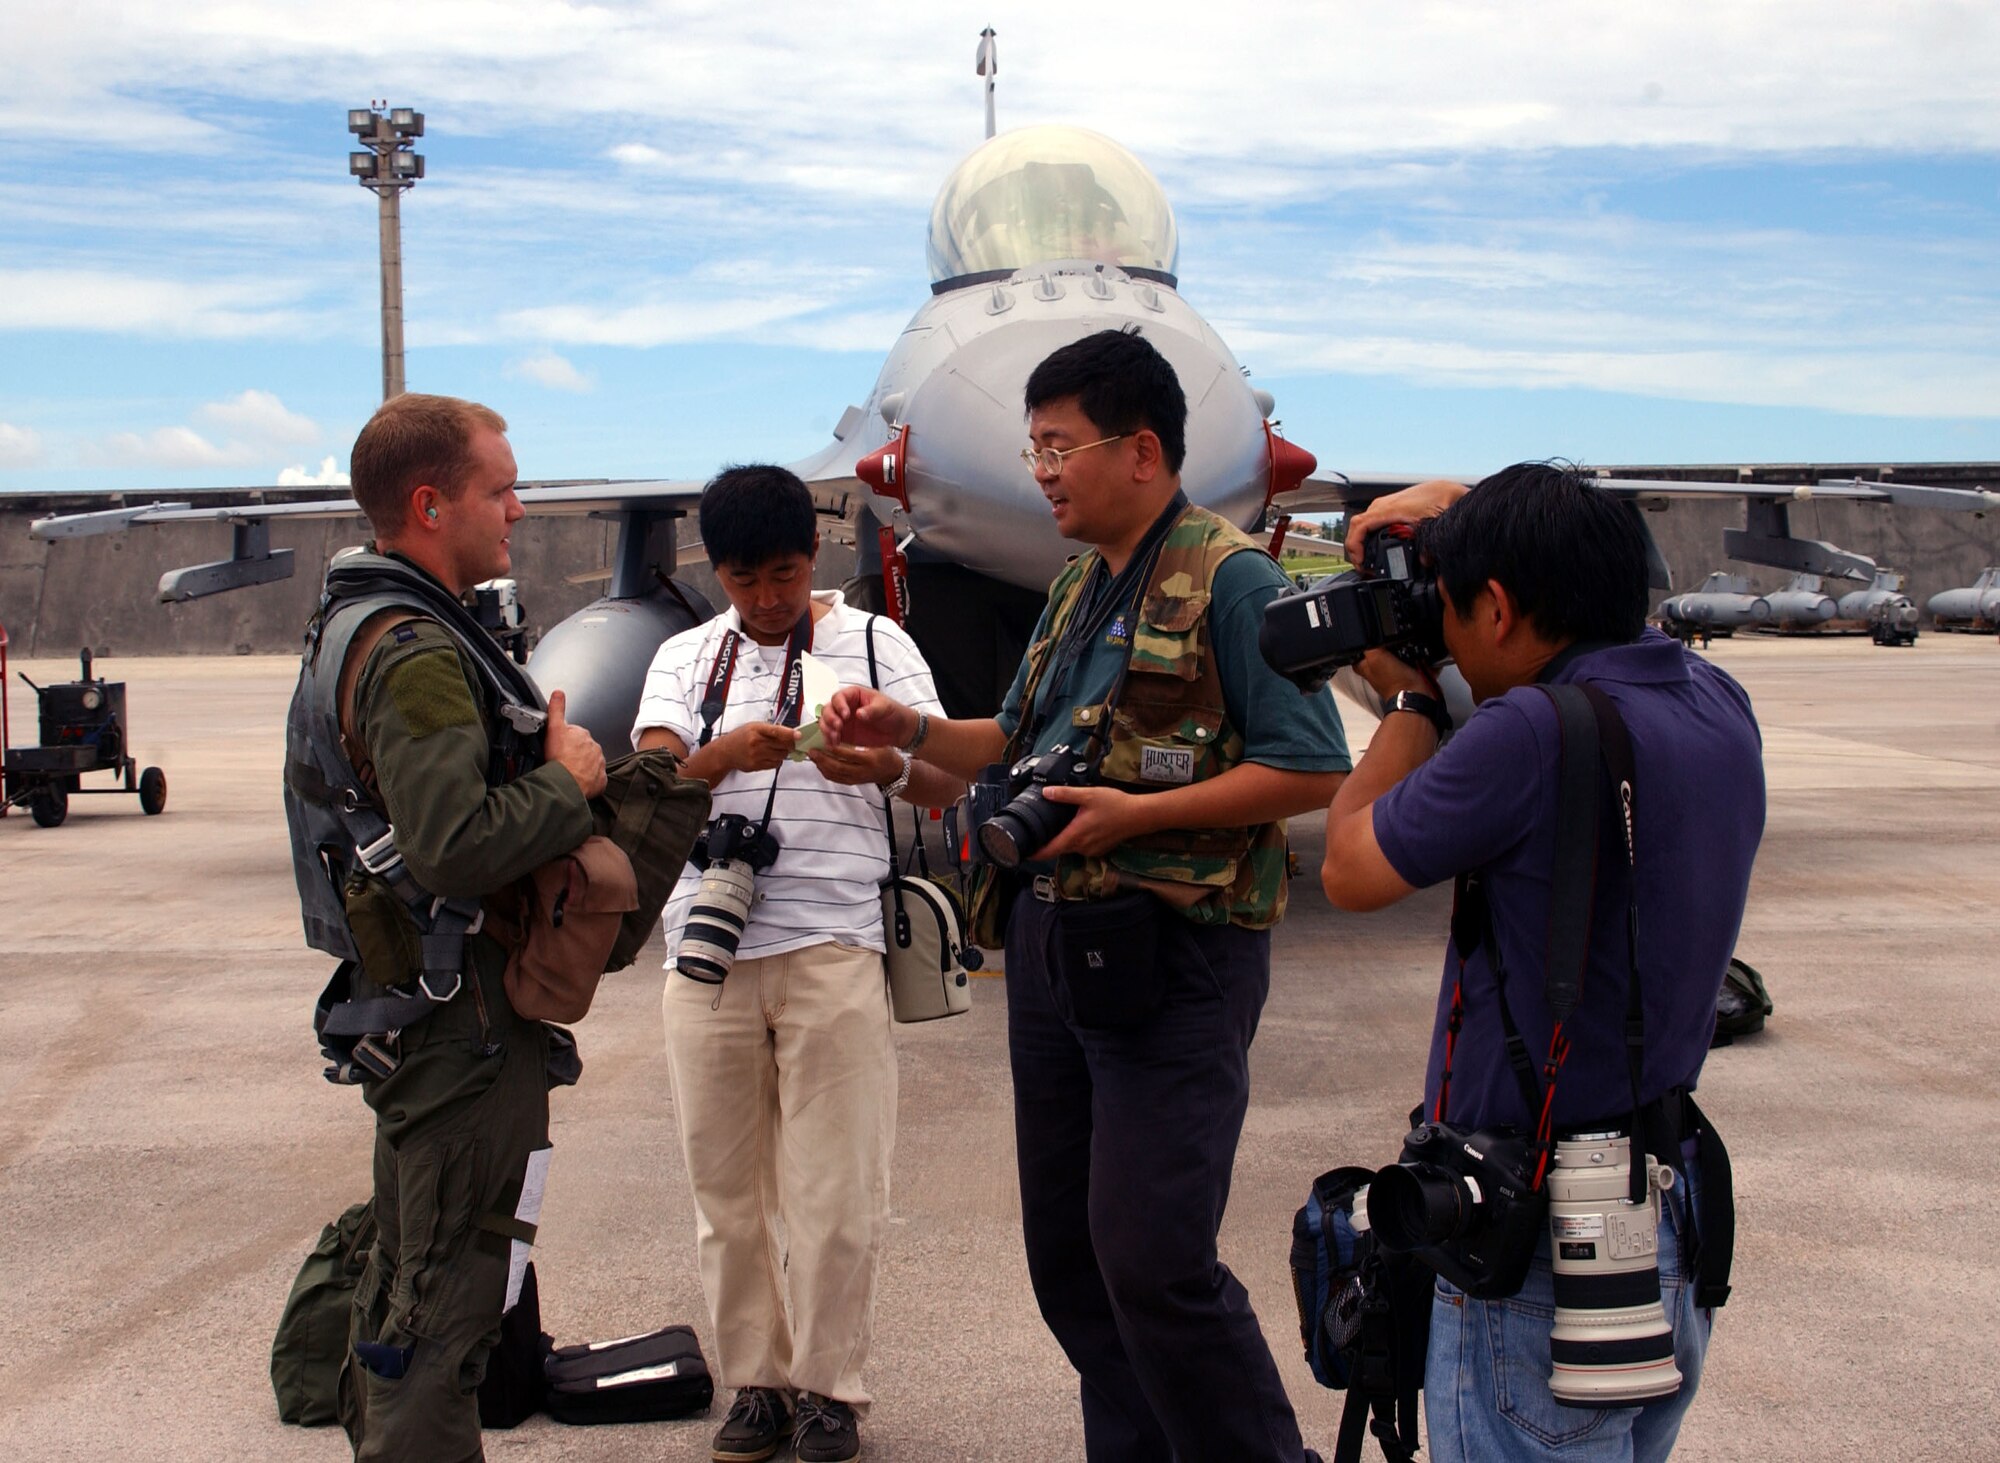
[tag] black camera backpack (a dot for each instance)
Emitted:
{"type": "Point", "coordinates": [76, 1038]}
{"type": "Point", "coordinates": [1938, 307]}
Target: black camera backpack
{"type": "Point", "coordinates": [1364, 1316]}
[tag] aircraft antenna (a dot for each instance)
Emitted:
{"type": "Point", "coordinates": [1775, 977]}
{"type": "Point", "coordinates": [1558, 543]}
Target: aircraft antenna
{"type": "Point", "coordinates": [987, 64]}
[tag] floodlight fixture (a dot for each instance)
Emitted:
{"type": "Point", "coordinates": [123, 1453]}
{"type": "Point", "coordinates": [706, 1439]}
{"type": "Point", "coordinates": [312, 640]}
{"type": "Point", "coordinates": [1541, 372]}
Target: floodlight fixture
{"type": "Point", "coordinates": [388, 169]}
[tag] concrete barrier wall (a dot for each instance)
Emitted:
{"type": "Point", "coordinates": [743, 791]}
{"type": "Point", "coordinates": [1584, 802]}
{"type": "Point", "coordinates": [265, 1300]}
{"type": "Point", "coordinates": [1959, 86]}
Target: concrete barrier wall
{"type": "Point", "coordinates": [101, 592]}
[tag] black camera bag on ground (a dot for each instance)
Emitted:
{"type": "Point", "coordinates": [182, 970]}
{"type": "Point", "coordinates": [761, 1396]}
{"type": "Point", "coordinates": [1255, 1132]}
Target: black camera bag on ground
{"type": "Point", "coordinates": [1742, 1005]}
{"type": "Point", "coordinates": [1364, 1317]}
{"type": "Point", "coordinates": [648, 1378]}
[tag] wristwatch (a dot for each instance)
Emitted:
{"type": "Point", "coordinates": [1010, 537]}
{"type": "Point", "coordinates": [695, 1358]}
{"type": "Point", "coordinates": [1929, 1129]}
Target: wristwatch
{"type": "Point", "coordinates": [1428, 707]}
{"type": "Point", "coordinates": [891, 789]}
{"type": "Point", "coordinates": [917, 737]}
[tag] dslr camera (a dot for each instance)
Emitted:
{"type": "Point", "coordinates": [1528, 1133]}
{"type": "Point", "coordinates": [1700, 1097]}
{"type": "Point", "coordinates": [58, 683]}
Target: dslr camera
{"type": "Point", "coordinates": [1030, 820]}
{"type": "Point", "coordinates": [732, 851]}
{"type": "Point", "coordinates": [1465, 1204]}
{"type": "Point", "coordinates": [1391, 599]}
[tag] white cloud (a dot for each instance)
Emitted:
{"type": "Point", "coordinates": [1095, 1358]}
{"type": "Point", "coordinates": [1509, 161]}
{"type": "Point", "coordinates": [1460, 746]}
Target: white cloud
{"type": "Point", "coordinates": [658, 322]}
{"type": "Point", "coordinates": [328, 476]}
{"type": "Point", "coordinates": [258, 427]}
{"type": "Point", "coordinates": [260, 418]}
{"type": "Point", "coordinates": [19, 446]}
{"type": "Point", "coordinates": [128, 304]}
{"type": "Point", "coordinates": [169, 449]}
{"type": "Point", "coordinates": [556, 372]}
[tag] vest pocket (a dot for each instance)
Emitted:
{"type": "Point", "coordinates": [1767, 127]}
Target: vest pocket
{"type": "Point", "coordinates": [1167, 639]}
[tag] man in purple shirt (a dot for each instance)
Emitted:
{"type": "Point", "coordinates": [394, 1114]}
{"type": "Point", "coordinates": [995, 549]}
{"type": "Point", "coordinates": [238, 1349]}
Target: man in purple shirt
{"type": "Point", "coordinates": [1544, 581]}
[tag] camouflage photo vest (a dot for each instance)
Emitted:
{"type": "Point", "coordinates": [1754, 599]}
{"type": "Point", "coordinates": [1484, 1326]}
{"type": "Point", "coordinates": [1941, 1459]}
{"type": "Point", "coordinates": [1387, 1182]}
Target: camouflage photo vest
{"type": "Point", "coordinates": [1170, 720]}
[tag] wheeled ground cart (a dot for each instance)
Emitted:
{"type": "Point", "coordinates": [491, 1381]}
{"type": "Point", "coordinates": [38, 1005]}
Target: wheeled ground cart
{"type": "Point", "coordinates": [83, 730]}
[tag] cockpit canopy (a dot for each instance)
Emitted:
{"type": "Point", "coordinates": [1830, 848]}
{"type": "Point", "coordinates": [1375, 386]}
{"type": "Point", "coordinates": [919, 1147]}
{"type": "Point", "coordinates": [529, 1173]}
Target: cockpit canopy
{"type": "Point", "coordinates": [1043, 193]}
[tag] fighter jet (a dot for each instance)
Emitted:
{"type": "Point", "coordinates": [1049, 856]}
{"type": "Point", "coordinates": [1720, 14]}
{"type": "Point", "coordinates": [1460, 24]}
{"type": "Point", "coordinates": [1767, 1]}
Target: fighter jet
{"type": "Point", "coordinates": [1038, 237]}
{"type": "Point", "coordinates": [1801, 605]}
{"type": "Point", "coordinates": [1977, 608]}
{"type": "Point", "coordinates": [1722, 605]}
{"type": "Point", "coordinates": [1883, 609]}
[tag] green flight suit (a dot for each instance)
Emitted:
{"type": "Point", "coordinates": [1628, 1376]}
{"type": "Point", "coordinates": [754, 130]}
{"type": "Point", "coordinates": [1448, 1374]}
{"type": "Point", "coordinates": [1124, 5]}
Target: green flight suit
{"type": "Point", "coordinates": [457, 1121]}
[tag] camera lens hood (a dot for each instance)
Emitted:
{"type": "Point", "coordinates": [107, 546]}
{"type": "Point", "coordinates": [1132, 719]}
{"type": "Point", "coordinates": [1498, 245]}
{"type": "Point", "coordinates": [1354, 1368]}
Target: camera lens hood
{"type": "Point", "coordinates": [1413, 1206]}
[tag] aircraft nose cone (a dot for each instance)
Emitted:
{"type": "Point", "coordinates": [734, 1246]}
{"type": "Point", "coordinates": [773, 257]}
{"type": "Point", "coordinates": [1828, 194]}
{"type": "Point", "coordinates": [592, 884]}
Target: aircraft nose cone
{"type": "Point", "coordinates": [1760, 609]}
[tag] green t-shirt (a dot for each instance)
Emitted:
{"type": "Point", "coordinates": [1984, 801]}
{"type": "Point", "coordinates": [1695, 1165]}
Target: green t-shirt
{"type": "Point", "coordinates": [1281, 728]}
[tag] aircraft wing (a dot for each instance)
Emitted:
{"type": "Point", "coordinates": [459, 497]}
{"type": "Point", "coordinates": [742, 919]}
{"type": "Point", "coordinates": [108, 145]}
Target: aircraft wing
{"type": "Point", "coordinates": [1765, 537]}
{"type": "Point", "coordinates": [639, 504]}
{"type": "Point", "coordinates": [566, 495]}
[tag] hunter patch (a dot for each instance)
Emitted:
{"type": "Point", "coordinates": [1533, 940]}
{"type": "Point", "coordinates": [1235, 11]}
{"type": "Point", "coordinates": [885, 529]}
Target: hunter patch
{"type": "Point", "coordinates": [1173, 765]}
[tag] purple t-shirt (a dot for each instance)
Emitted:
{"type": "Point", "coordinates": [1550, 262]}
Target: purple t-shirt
{"type": "Point", "coordinates": [1487, 802]}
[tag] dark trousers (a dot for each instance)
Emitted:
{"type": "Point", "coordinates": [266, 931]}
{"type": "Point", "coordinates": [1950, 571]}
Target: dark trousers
{"type": "Point", "coordinates": [1125, 1140]}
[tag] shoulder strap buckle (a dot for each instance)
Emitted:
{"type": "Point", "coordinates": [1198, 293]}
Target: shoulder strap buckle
{"type": "Point", "coordinates": [424, 985]}
{"type": "Point", "coordinates": [380, 856]}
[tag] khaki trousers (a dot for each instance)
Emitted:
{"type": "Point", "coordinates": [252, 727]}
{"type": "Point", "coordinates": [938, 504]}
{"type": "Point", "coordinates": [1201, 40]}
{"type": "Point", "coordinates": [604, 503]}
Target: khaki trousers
{"type": "Point", "coordinates": [784, 1080]}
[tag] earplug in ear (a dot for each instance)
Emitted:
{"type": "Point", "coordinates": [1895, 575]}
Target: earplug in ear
{"type": "Point", "coordinates": [430, 513]}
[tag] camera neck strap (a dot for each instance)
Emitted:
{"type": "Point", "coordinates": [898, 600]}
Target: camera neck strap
{"type": "Point", "coordinates": [791, 692]}
{"type": "Point", "coordinates": [922, 859]}
{"type": "Point", "coordinates": [1594, 742]}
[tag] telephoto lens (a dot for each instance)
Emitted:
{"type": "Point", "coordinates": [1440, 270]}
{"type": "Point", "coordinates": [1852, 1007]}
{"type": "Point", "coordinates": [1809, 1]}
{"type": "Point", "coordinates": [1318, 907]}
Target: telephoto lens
{"type": "Point", "coordinates": [1611, 1346]}
{"type": "Point", "coordinates": [715, 922]}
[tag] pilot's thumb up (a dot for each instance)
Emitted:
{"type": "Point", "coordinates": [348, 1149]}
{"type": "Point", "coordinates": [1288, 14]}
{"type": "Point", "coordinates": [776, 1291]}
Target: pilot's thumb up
{"type": "Point", "coordinates": [555, 709]}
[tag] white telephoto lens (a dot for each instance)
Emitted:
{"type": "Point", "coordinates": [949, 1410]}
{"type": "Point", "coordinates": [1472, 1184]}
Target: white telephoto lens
{"type": "Point", "coordinates": [1611, 1345]}
{"type": "Point", "coordinates": [715, 922]}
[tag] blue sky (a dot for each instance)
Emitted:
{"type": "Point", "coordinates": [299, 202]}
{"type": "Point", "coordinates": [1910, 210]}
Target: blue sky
{"type": "Point", "coordinates": [662, 236]}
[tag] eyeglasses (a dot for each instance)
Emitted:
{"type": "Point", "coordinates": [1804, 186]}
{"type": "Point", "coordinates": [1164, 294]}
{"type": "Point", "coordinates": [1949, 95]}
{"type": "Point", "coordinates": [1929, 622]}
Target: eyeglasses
{"type": "Point", "coordinates": [1050, 459]}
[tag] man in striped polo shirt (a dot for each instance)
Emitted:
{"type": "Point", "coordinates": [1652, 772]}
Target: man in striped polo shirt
{"type": "Point", "coordinates": [784, 1075]}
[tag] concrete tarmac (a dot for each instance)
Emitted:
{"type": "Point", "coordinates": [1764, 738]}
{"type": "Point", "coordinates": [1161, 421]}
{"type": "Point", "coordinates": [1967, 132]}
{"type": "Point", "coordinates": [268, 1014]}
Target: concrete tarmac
{"type": "Point", "coordinates": [168, 1151]}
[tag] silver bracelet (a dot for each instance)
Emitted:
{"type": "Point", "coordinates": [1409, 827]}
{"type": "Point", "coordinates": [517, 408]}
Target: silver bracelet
{"type": "Point", "coordinates": [890, 790]}
{"type": "Point", "coordinates": [923, 730]}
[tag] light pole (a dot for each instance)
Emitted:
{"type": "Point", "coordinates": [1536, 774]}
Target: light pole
{"type": "Point", "coordinates": [388, 167]}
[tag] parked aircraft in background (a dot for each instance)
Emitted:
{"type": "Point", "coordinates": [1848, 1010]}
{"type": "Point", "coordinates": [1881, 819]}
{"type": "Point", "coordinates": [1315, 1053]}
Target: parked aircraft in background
{"type": "Point", "coordinates": [1040, 236]}
{"type": "Point", "coordinates": [1721, 606]}
{"type": "Point", "coordinates": [1801, 605]}
{"type": "Point", "coordinates": [1976, 608]}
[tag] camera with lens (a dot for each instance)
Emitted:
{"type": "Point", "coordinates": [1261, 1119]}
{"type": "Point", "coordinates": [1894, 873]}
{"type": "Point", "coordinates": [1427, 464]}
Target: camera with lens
{"type": "Point", "coordinates": [1391, 599]}
{"type": "Point", "coordinates": [1465, 1204]}
{"type": "Point", "coordinates": [1030, 820]}
{"type": "Point", "coordinates": [732, 851]}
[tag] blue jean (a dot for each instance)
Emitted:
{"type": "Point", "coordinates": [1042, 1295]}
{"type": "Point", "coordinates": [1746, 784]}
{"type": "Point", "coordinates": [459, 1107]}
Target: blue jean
{"type": "Point", "coordinates": [1486, 1385]}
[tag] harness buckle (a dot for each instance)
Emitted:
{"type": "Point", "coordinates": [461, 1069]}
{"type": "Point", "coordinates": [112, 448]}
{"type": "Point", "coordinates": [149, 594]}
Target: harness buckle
{"type": "Point", "coordinates": [526, 720]}
{"type": "Point", "coordinates": [380, 856]}
{"type": "Point", "coordinates": [1045, 889]}
{"type": "Point", "coordinates": [424, 985]}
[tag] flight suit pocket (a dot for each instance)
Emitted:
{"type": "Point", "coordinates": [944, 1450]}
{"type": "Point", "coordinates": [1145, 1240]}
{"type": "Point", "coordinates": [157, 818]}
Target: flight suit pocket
{"type": "Point", "coordinates": [436, 1208]}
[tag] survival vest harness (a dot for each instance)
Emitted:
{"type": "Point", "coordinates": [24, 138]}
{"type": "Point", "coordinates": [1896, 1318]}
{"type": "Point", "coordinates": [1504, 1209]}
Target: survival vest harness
{"type": "Point", "coordinates": [335, 819]}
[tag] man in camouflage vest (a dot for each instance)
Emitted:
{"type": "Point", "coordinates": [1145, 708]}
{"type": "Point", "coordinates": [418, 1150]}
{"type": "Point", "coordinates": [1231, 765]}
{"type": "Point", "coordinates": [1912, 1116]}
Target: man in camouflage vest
{"type": "Point", "coordinates": [1131, 1074]}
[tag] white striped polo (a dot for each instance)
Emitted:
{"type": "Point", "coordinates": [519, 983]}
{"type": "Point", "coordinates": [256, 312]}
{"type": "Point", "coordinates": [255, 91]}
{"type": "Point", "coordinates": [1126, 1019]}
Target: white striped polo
{"type": "Point", "coordinates": [833, 852]}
